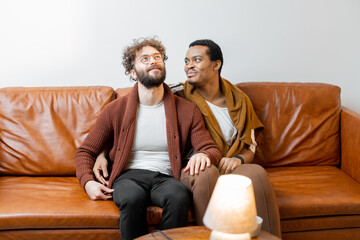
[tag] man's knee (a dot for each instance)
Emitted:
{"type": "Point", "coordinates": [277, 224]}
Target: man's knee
{"type": "Point", "coordinates": [206, 177]}
{"type": "Point", "coordinates": [212, 172]}
{"type": "Point", "coordinates": [178, 194]}
{"type": "Point", "coordinates": [132, 201]}
{"type": "Point", "coordinates": [252, 171]}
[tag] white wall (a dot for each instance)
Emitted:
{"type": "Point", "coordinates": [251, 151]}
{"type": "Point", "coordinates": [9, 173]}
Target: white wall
{"type": "Point", "coordinates": [79, 42]}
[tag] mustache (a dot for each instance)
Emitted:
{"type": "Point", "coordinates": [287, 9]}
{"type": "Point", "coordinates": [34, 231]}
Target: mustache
{"type": "Point", "coordinates": [191, 70]}
{"type": "Point", "coordinates": [154, 67]}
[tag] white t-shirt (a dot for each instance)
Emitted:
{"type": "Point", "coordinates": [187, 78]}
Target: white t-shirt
{"type": "Point", "coordinates": [227, 126]}
{"type": "Point", "coordinates": [150, 150]}
{"type": "Point", "coordinates": [223, 118]}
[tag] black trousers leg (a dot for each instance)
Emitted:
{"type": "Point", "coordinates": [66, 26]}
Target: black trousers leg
{"type": "Point", "coordinates": [131, 199]}
{"type": "Point", "coordinates": [174, 198]}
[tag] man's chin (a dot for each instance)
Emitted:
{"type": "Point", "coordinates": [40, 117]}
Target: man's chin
{"type": "Point", "coordinates": [192, 82]}
{"type": "Point", "coordinates": [151, 83]}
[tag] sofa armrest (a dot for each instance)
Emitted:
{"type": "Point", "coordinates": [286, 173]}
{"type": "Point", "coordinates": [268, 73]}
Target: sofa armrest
{"type": "Point", "coordinates": [350, 143]}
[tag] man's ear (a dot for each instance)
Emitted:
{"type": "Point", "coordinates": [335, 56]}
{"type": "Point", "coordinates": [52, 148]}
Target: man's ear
{"type": "Point", "coordinates": [133, 74]}
{"type": "Point", "coordinates": [217, 65]}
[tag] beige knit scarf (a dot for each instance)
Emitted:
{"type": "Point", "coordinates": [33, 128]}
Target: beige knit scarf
{"type": "Point", "coordinates": [241, 112]}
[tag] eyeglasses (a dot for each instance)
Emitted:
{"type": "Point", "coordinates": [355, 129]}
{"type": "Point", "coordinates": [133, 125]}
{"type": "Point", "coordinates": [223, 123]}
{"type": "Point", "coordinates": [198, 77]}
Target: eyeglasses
{"type": "Point", "coordinates": [145, 59]}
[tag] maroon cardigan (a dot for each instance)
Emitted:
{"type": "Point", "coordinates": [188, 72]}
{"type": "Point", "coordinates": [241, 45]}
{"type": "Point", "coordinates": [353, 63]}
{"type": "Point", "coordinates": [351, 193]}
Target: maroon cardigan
{"type": "Point", "coordinates": [116, 127]}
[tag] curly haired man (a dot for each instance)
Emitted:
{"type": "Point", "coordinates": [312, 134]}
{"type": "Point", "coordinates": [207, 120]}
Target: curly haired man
{"type": "Point", "coordinates": [148, 131]}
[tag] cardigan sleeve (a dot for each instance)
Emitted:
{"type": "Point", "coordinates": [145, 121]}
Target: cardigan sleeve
{"type": "Point", "coordinates": [201, 139]}
{"type": "Point", "coordinates": [92, 146]}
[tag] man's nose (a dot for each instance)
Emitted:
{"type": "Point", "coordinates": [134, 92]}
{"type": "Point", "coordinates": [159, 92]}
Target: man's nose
{"type": "Point", "coordinates": [152, 60]}
{"type": "Point", "coordinates": [190, 65]}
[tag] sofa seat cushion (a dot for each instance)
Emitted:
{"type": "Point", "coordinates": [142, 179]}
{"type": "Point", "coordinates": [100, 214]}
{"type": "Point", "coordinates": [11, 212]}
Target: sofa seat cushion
{"type": "Point", "coordinates": [52, 203]}
{"type": "Point", "coordinates": [314, 191]}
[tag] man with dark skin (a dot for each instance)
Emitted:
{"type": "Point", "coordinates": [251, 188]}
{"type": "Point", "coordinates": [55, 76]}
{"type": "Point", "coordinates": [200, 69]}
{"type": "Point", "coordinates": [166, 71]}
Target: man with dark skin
{"type": "Point", "coordinates": [232, 122]}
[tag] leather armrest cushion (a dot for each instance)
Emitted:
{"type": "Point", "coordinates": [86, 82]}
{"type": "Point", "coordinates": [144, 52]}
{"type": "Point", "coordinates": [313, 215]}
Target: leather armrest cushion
{"type": "Point", "coordinates": [350, 143]}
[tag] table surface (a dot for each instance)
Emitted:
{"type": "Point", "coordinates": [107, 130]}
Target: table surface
{"type": "Point", "coordinates": [194, 233]}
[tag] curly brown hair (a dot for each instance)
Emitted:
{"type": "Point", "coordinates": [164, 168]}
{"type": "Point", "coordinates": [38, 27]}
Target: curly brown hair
{"type": "Point", "coordinates": [129, 53]}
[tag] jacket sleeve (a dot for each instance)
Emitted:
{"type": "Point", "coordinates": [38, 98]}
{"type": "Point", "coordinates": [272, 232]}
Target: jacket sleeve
{"type": "Point", "coordinates": [92, 146]}
{"type": "Point", "coordinates": [201, 139]}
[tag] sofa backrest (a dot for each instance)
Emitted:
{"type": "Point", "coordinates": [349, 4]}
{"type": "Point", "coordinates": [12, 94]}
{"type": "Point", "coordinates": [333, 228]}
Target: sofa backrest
{"type": "Point", "coordinates": [122, 91]}
{"type": "Point", "coordinates": [302, 123]}
{"type": "Point", "coordinates": [41, 128]}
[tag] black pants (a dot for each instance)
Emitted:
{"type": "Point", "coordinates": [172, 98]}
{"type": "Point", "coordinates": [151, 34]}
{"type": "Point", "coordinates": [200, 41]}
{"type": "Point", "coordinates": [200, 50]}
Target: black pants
{"type": "Point", "coordinates": [134, 190]}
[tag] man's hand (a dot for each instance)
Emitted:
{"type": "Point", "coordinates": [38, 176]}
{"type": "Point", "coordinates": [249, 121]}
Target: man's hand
{"type": "Point", "coordinates": [197, 162]}
{"type": "Point", "coordinates": [100, 169]}
{"type": "Point", "coordinates": [227, 165]}
{"type": "Point", "coordinates": [97, 191]}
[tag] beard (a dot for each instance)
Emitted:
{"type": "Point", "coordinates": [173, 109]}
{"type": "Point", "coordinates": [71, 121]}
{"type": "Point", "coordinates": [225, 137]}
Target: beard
{"type": "Point", "coordinates": [148, 81]}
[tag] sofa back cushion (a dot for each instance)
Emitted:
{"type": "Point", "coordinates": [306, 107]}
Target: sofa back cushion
{"type": "Point", "coordinates": [302, 123]}
{"type": "Point", "coordinates": [42, 127]}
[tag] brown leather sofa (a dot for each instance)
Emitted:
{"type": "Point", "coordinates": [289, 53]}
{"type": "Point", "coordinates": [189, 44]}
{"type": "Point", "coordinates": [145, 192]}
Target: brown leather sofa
{"type": "Point", "coordinates": [310, 148]}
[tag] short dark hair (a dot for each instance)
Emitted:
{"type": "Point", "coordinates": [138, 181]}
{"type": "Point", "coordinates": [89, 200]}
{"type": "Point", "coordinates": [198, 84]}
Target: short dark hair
{"type": "Point", "coordinates": [129, 53]}
{"type": "Point", "coordinates": [214, 51]}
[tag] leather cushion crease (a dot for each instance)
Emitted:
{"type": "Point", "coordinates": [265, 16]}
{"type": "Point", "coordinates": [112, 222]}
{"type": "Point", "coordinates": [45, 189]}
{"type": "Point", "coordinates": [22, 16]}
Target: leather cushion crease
{"type": "Point", "coordinates": [320, 223]}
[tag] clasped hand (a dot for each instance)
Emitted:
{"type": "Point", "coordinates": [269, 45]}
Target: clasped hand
{"type": "Point", "coordinates": [227, 165]}
{"type": "Point", "coordinates": [97, 191]}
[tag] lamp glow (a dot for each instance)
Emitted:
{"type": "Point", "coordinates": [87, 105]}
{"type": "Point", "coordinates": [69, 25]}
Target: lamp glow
{"type": "Point", "coordinates": [231, 213]}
